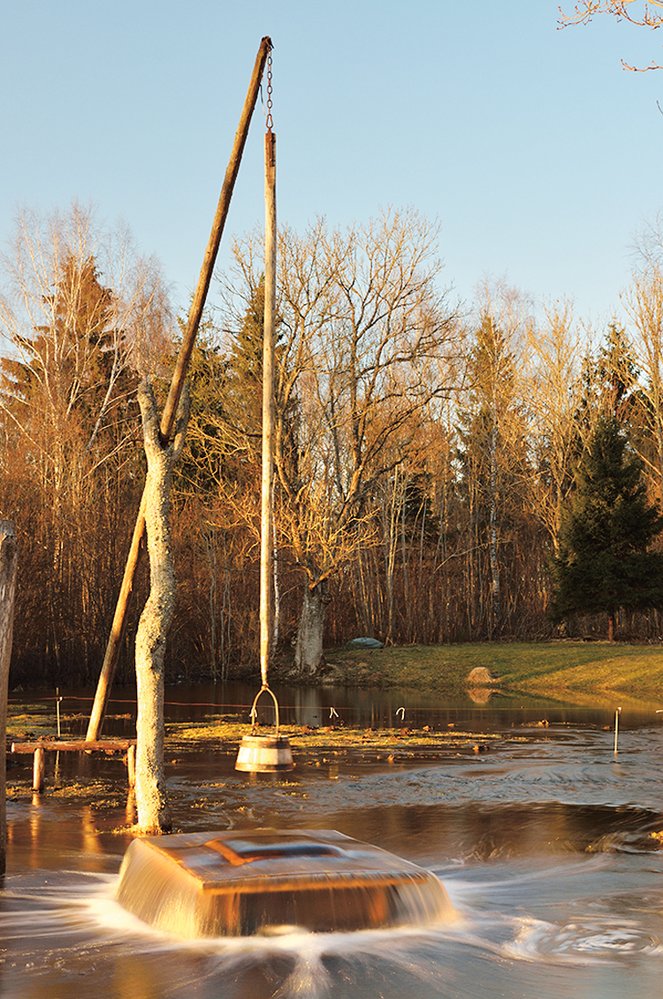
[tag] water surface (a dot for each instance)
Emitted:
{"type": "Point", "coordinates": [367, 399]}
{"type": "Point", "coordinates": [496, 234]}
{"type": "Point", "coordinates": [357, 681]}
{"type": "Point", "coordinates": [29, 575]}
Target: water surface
{"type": "Point", "coordinates": [550, 850]}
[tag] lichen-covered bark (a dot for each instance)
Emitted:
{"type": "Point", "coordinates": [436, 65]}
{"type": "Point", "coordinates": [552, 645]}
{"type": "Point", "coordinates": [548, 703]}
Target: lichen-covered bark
{"type": "Point", "coordinates": [155, 620]}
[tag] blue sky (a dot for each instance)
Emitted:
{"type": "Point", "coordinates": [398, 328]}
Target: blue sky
{"type": "Point", "coordinates": [540, 157]}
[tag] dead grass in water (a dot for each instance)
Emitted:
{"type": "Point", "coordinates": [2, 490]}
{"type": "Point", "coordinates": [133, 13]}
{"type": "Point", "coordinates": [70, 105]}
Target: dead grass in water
{"type": "Point", "coordinates": [335, 737]}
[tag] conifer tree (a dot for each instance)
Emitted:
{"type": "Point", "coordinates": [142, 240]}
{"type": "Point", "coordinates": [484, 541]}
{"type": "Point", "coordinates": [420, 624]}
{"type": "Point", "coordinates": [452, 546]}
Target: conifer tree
{"type": "Point", "coordinates": [604, 563]}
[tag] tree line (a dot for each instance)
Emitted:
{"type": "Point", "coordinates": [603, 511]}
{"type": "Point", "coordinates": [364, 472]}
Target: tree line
{"type": "Point", "coordinates": [433, 463]}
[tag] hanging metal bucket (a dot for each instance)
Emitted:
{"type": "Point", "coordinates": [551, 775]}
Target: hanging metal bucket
{"type": "Point", "coordinates": [264, 753]}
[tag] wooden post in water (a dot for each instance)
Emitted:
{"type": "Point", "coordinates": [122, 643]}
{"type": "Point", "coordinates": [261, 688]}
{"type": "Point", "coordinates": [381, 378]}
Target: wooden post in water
{"type": "Point", "coordinates": [38, 769]}
{"type": "Point", "coordinates": [267, 510]}
{"type": "Point", "coordinates": [7, 595]}
{"type": "Point", "coordinates": [176, 385]}
{"type": "Point", "coordinates": [131, 766]}
{"type": "Point", "coordinates": [58, 701]}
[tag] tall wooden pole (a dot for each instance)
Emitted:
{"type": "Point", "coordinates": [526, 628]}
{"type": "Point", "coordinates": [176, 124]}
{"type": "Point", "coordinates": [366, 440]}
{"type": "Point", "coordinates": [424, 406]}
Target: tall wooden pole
{"type": "Point", "coordinates": [7, 594]}
{"type": "Point", "coordinates": [267, 512]}
{"type": "Point", "coordinates": [176, 386]}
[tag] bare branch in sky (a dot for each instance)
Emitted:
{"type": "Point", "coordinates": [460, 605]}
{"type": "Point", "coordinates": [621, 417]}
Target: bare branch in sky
{"type": "Point", "coordinates": [642, 13]}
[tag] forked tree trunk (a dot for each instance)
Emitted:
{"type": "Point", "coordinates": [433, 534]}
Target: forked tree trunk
{"type": "Point", "coordinates": [308, 650]}
{"type": "Point", "coordinates": [155, 620]}
{"type": "Point", "coordinates": [7, 593]}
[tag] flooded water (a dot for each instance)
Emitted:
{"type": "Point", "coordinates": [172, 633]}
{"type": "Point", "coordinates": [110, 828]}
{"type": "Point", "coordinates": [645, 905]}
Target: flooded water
{"type": "Point", "coordinates": [551, 850]}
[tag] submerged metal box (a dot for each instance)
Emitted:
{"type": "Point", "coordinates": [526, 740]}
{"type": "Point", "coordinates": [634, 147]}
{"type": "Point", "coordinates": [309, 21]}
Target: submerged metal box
{"type": "Point", "coordinates": [270, 881]}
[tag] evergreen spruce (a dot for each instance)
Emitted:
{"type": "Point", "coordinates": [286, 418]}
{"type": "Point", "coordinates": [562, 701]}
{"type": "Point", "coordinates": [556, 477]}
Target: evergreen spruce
{"type": "Point", "coordinates": [604, 563]}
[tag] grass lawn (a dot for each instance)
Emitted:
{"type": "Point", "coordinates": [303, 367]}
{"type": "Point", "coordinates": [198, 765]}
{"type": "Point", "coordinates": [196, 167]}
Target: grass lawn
{"type": "Point", "coordinates": [563, 670]}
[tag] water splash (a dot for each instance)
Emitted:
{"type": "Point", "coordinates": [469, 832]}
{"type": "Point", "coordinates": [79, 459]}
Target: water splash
{"type": "Point", "coordinates": [588, 942]}
{"type": "Point", "coordinates": [267, 881]}
{"type": "Point", "coordinates": [76, 929]}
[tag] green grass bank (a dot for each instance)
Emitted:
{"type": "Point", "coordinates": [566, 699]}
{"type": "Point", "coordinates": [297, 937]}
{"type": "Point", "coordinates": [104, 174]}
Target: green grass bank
{"type": "Point", "coordinates": [575, 671]}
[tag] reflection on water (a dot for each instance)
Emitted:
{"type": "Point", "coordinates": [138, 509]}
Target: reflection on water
{"type": "Point", "coordinates": [482, 709]}
{"type": "Point", "coordinates": [521, 929]}
{"type": "Point", "coordinates": [548, 849]}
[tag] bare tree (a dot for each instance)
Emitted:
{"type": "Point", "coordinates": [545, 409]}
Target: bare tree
{"type": "Point", "coordinates": [494, 452]}
{"type": "Point", "coordinates": [79, 310]}
{"type": "Point", "coordinates": [157, 615]}
{"type": "Point", "coordinates": [553, 399]}
{"type": "Point", "coordinates": [644, 304]}
{"type": "Point", "coordinates": [648, 242]}
{"type": "Point", "coordinates": [639, 12]}
{"type": "Point", "coordinates": [366, 340]}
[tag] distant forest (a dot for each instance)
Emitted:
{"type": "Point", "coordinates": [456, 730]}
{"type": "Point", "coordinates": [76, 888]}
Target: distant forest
{"type": "Point", "coordinates": [426, 452]}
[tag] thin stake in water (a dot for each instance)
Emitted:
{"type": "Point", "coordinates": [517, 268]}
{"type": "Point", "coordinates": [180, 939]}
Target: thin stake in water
{"type": "Point", "coordinates": [58, 699]}
{"type": "Point", "coordinates": [618, 711]}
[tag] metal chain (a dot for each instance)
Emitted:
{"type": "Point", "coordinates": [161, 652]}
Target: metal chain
{"type": "Point", "coordinates": [269, 121]}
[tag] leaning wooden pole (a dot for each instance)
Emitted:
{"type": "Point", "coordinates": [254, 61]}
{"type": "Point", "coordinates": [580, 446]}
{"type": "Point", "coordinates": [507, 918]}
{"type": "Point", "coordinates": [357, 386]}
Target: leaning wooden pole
{"type": "Point", "coordinates": [267, 510]}
{"type": "Point", "coordinates": [176, 385]}
{"type": "Point", "coordinates": [7, 594]}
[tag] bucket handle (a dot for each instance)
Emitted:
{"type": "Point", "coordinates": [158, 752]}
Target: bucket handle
{"type": "Point", "coordinates": [266, 688]}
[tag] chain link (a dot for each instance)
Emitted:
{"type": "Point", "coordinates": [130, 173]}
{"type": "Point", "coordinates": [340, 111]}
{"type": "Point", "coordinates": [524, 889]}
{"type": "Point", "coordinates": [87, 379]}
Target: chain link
{"type": "Point", "coordinates": [269, 121]}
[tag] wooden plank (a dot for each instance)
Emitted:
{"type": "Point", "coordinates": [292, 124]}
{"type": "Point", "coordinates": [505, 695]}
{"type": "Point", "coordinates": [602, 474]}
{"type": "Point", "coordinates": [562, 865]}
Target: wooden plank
{"type": "Point", "coordinates": [75, 746]}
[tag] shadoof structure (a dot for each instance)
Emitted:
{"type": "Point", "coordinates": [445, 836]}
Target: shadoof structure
{"type": "Point", "coordinates": [177, 383]}
{"type": "Point", "coordinates": [268, 881]}
{"type": "Point", "coordinates": [92, 742]}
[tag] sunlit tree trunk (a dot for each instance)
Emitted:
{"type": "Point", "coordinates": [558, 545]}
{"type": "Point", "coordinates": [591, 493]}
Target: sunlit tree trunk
{"type": "Point", "coordinates": [308, 650]}
{"type": "Point", "coordinates": [155, 620]}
